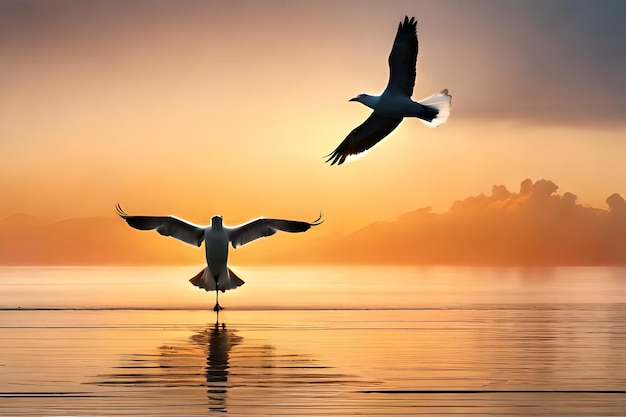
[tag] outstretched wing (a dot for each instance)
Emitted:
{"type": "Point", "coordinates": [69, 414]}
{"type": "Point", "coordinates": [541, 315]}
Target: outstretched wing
{"type": "Point", "coordinates": [402, 59]}
{"type": "Point", "coordinates": [167, 226]}
{"type": "Point", "coordinates": [261, 227]}
{"type": "Point", "coordinates": [363, 137]}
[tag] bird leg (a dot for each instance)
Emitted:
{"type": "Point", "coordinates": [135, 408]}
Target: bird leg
{"type": "Point", "coordinates": [217, 307]}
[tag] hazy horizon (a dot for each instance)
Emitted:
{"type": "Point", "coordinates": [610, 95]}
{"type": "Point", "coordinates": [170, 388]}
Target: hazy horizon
{"type": "Point", "coordinates": [309, 287]}
{"type": "Point", "coordinates": [534, 226]}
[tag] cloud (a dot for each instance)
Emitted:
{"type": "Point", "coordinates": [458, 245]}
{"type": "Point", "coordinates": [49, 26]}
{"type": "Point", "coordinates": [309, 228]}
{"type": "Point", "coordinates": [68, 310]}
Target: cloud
{"type": "Point", "coordinates": [535, 226]}
{"type": "Point", "coordinates": [552, 62]}
{"type": "Point", "coordinates": [616, 203]}
{"type": "Point", "coordinates": [558, 61]}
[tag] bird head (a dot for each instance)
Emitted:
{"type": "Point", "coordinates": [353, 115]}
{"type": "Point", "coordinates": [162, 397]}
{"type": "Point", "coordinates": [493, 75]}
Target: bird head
{"type": "Point", "coordinates": [216, 221]}
{"type": "Point", "coordinates": [358, 98]}
{"type": "Point", "coordinates": [369, 101]}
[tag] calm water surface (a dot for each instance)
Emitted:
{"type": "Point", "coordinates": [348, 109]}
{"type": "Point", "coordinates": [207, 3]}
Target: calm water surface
{"type": "Point", "coordinates": [500, 342]}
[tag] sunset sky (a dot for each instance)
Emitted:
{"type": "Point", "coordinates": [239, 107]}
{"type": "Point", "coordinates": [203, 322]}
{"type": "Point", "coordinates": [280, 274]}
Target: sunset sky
{"type": "Point", "coordinates": [196, 107]}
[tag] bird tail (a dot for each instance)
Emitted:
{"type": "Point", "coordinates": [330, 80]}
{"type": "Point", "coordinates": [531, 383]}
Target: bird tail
{"type": "Point", "coordinates": [438, 108]}
{"type": "Point", "coordinates": [205, 281]}
{"type": "Point", "coordinates": [235, 281]}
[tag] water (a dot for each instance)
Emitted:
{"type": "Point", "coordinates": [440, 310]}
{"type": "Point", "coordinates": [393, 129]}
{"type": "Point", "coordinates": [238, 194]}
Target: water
{"type": "Point", "coordinates": [309, 287]}
{"type": "Point", "coordinates": [440, 341]}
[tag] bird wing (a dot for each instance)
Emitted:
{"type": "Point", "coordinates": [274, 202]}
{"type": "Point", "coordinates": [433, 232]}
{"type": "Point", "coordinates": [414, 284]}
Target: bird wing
{"type": "Point", "coordinates": [261, 227]}
{"type": "Point", "coordinates": [363, 137]}
{"type": "Point", "coordinates": [402, 59]}
{"type": "Point", "coordinates": [167, 226]}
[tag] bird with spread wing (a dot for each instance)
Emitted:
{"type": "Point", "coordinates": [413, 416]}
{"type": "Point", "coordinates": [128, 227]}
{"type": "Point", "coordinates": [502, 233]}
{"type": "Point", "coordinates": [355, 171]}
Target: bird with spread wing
{"type": "Point", "coordinates": [217, 276]}
{"type": "Point", "coordinates": [395, 102]}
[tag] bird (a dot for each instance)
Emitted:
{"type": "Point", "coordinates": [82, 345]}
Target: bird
{"type": "Point", "coordinates": [216, 276]}
{"type": "Point", "coordinates": [395, 102]}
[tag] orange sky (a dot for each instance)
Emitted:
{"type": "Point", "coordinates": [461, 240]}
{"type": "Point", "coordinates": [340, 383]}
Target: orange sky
{"type": "Point", "coordinates": [197, 108]}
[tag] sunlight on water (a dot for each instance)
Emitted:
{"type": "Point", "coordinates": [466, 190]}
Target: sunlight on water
{"type": "Point", "coordinates": [294, 341]}
{"type": "Point", "coordinates": [308, 287]}
{"type": "Point", "coordinates": [511, 360]}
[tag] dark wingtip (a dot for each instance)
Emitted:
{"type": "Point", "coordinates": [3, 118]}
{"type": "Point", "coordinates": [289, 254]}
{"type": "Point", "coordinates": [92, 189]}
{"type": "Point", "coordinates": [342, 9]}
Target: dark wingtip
{"type": "Point", "coordinates": [335, 157]}
{"type": "Point", "coordinates": [120, 211]}
{"type": "Point", "coordinates": [318, 221]}
{"type": "Point", "coordinates": [406, 24]}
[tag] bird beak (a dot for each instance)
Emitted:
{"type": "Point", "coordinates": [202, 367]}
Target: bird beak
{"type": "Point", "coordinates": [352, 99]}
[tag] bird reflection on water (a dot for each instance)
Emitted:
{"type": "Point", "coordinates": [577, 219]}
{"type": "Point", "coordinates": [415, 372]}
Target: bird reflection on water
{"type": "Point", "coordinates": [218, 342]}
{"type": "Point", "coordinates": [202, 360]}
{"type": "Point", "coordinates": [216, 367]}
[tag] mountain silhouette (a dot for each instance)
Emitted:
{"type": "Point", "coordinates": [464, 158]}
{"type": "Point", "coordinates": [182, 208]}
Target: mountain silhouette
{"type": "Point", "coordinates": [535, 226]}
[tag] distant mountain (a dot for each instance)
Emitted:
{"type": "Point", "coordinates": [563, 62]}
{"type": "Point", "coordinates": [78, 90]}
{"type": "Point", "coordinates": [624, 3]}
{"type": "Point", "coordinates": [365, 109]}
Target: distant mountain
{"type": "Point", "coordinates": [20, 221]}
{"type": "Point", "coordinates": [534, 227]}
{"type": "Point", "coordinates": [26, 240]}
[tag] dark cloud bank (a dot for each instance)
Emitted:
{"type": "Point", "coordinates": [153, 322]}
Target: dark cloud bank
{"type": "Point", "coordinates": [535, 226]}
{"type": "Point", "coordinates": [557, 62]}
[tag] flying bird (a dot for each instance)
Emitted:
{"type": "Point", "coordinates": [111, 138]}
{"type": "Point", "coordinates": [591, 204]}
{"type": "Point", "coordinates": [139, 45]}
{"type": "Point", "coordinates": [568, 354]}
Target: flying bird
{"type": "Point", "coordinates": [217, 276]}
{"type": "Point", "coordinates": [395, 102]}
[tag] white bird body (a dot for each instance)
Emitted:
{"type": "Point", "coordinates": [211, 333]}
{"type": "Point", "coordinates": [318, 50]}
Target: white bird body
{"type": "Point", "coordinates": [217, 276]}
{"type": "Point", "coordinates": [395, 103]}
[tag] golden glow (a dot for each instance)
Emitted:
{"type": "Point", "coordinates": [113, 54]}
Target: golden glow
{"type": "Point", "coordinates": [211, 109]}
